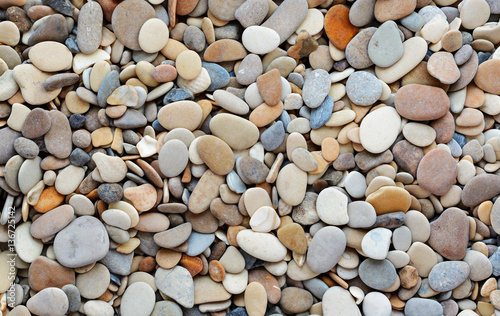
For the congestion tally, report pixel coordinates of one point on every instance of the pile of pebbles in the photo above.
(258, 157)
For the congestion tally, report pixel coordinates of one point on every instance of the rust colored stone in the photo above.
(338, 28)
(193, 264)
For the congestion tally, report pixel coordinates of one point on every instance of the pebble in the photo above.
(338, 28)
(230, 151)
(177, 283)
(90, 27)
(287, 18)
(332, 207)
(376, 242)
(82, 242)
(357, 50)
(419, 306)
(435, 102)
(49, 301)
(261, 245)
(138, 299)
(153, 35)
(437, 171)
(385, 47)
(379, 129)
(322, 258)
(252, 12)
(316, 88)
(441, 65)
(338, 301)
(260, 40)
(363, 88)
(447, 276)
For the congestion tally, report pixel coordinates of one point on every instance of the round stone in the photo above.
(173, 158)
(437, 171)
(260, 40)
(447, 276)
(421, 103)
(326, 249)
(332, 207)
(377, 274)
(188, 64)
(379, 129)
(153, 35)
(138, 300)
(385, 47)
(363, 88)
(82, 242)
(51, 56)
(442, 66)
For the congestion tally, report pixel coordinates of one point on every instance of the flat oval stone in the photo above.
(442, 66)
(49, 301)
(137, 300)
(260, 40)
(58, 138)
(52, 222)
(153, 36)
(338, 27)
(422, 306)
(291, 184)
(363, 88)
(216, 154)
(437, 171)
(177, 283)
(287, 18)
(111, 169)
(173, 158)
(69, 179)
(230, 102)
(377, 274)
(385, 47)
(447, 276)
(356, 52)
(51, 56)
(224, 50)
(331, 207)
(326, 249)
(84, 241)
(376, 242)
(379, 129)
(90, 21)
(338, 301)
(252, 12)
(393, 10)
(419, 134)
(262, 246)
(27, 247)
(316, 88)
(236, 131)
(128, 18)
(185, 114)
(421, 103)
(480, 188)
(29, 174)
(44, 273)
(389, 199)
(485, 78)
(205, 191)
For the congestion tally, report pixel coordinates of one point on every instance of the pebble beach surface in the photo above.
(249, 157)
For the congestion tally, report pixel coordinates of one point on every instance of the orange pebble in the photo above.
(330, 149)
(49, 199)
